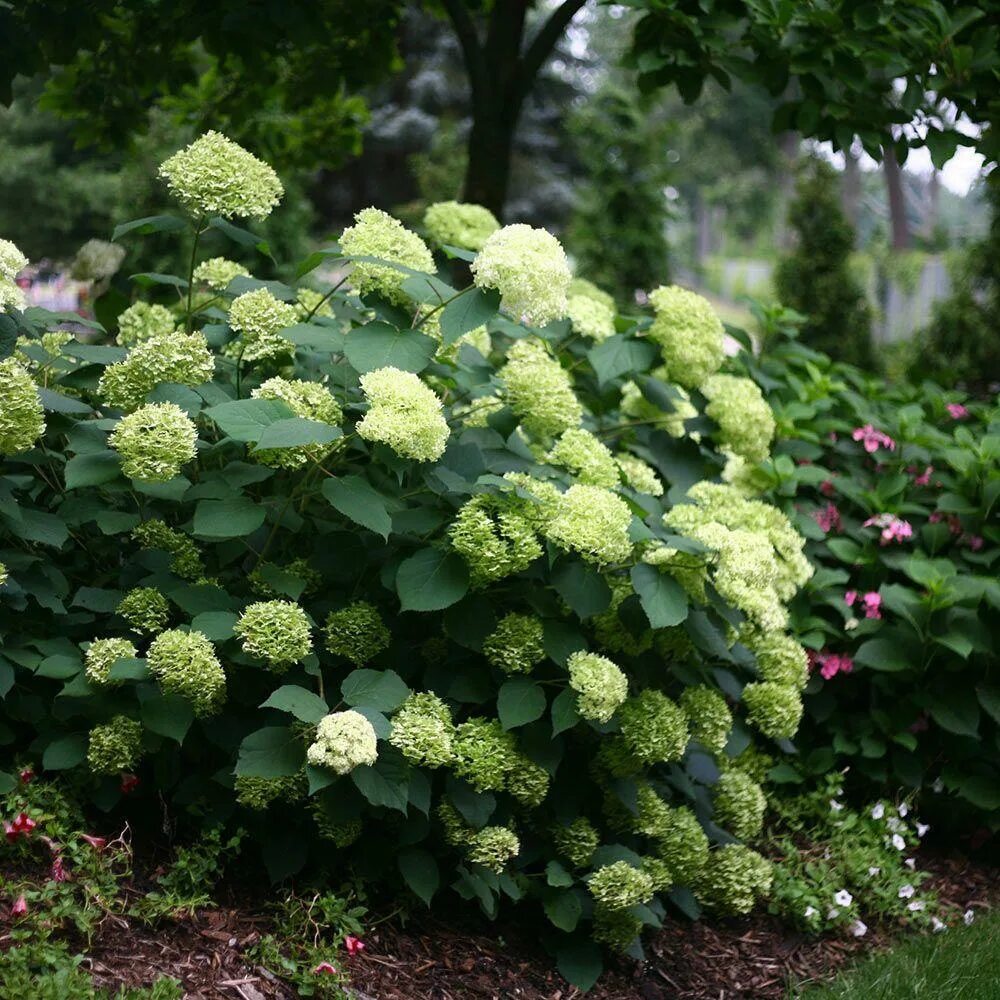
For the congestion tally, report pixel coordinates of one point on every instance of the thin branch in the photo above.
(544, 42)
(472, 52)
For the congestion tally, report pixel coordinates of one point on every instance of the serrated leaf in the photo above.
(887, 655)
(168, 715)
(298, 701)
(420, 872)
(296, 432)
(228, 518)
(564, 909)
(92, 469)
(246, 419)
(582, 587)
(64, 753)
(468, 312)
(662, 597)
(620, 355)
(356, 499)
(431, 580)
(215, 625)
(383, 690)
(520, 701)
(580, 963)
(271, 752)
(378, 345)
(564, 712)
(385, 783)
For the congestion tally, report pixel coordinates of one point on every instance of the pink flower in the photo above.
(58, 873)
(27, 776)
(21, 827)
(873, 604)
(850, 597)
(20, 908)
(325, 968)
(893, 528)
(975, 542)
(957, 411)
(828, 518)
(129, 783)
(872, 439)
(924, 479)
(833, 437)
(827, 488)
(97, 843)
(831, 664)
(353, 944)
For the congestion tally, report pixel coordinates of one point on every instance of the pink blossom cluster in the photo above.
(870, 601)
(957, 411)
(828, 518)
(894, 529)
(830, 664)
(924, 478)
(873, 439)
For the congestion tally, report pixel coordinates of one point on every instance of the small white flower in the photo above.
(843, 898)
(968, 917)
(851, 624)
(894, 823)
(832, 914)
(879, 811)
(903, 809)
(938, 786)
(922, 828)
(859, 928)
(911, 863)
(906, 891)
(811, 912)
(916, 905)
(938, 925)
(873, 871)
(898, 842)
(836, 806)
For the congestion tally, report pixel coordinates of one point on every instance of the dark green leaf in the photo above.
(420, 872)
(167, 714)
(620, 355)
(580, 963)
(564, 713)
(385, 783)
(271, 752)
(355, 498)
(582, 587)
(520, 701)
(662, 597)
(378, 345)
(431, 580)
(245, 419)
(64, 753)
(382, 690)
(467, 312)
(564, 910)
(92, 469)
(227, 518)
(150, 224)
(298, 701)
(296, 432)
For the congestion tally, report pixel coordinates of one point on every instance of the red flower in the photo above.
(27, 776)
(20, 908)
(353, 944)
(827, 488)
(21, 827)
(97, 843)
(325, 968)
(129, 783)
(58, 873)
(872, 439)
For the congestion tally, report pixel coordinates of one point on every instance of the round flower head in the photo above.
(259, 318)
(617, 929)
(356, 632)
(774, 709)
(145, 609)
(746, 423)
(217, 272)
(216, 176)
(587, 289)
(515, 645)
(4, 574)
(493, 847)
(739, 804)
(154, 442)
(734, 879)
(377, 234)
(178, 357)
(143, 320)
(600, 685)
(11, 296)
(185, 664)
(780, 658)
(619, 885)
(576, 842)
(403, 414)
(528, 267)
(708, 716)
(529, 783)
(683, 846)
(12, 261)
(51, 343)
(308, 400)
(115, 746)
(22, 420)
(484, 754)
(639, 475)
(97, 260)
(495, 537)
(102, 655)
(586, 457)
(344, 741)
(186, 559)
(590, 317)
(341, 834)
(258, 793)
(653, 817)
(634, 404)
(276, 631)
(688, 333)
(423, 732)
(653, 727)
(539, 390)
(454, 224)
(593, 522)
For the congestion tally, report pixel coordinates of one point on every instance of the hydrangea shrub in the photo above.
(398, 579)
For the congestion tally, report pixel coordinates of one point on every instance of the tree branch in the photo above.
(472, 53)
(544, 42)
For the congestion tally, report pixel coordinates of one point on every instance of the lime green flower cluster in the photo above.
(746, 423)
(581, 286)
(538, 390)
(739, 804)
(178, 357)
(617, 929)
(145, 609)
(590, 317)
(495, 536)
(341, 833)
(4, 574)
(114, 746)
(781, 659)
(576, 842)
(586, 457)
(276, 631)
(774, 709)
(97, 260)
(529, 269)
(493, 847)
(620, 885)
(529, 783)
(403, 414)
(357, 632)
(51, 343)
(708, 716)
(515, 645)
(488, 758)
(635, 405)
(12, 261)
(653, 728)
(689, 335)
(102, 655)
(143, 320)
(377, 234)
(216, 176)
(456, 224)
(734, 879)
(154, 441)
(593, 522)
(186, 560)
(639, 475)
(258, 317)
(185, 664)
(423, 731)
(308, 400)
(22, 420)
(601, 685)
(344, 741)
(217, 272)
(258, 793)
(683, 846)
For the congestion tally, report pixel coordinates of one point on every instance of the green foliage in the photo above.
(815, 279)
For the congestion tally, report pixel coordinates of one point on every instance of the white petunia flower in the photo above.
(832, 913)
(916, 905)
(922, 828)
(873, 871)
(898, 842)
(903, 809)
(859, 928)
(968, 917)
(811, 912)
(911, 863)
(938, 925)
(836, 806)
(843, 898)
(906, 891)
(938, 786)
(879, 811)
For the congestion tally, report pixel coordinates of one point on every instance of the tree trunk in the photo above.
(851, 190)
(933, 214)
(788, 142)
(491, 145)
(899, 224)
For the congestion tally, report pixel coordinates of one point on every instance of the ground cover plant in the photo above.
(444, 575)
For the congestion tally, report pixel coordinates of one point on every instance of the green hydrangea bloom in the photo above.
(308, 400)
(216, 176)
(619, 885)
(653, 727)
(600, 685)
(774, 709)
(515, 645)
(276, 631)
(217, 272)
(495, 537)
(539, 390)
(683, 846)
(456, 830)
(344, 741)
(746, 423)
(4, 574)
(114, 746)
(102, 655)
(22, 420)
(616, 928)
(341, 833)
(145, 609)
(258, 793)
(403, 414)
(708, 716)
(781, 659)
(653, 817)
(456, 224)
(659, 872)
(493, 847)
(186, 559)
(739, 804)
(143, 320)
(640, 476)
(179, 357)
(484, 754)
(259, 318)
(734, 879)
(528, 782)
(356, 632)
(185, 664)
(377, 234)
(154, 441)
(635, 405)
(12, 261)
(586, 457)
(581, 286)
(97, 260)
(590, 317)
(688, 333)
(423, 731)
(593, 522)
(11, 296)
(576, 842)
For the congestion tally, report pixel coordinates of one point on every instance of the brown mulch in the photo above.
(467, 958)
